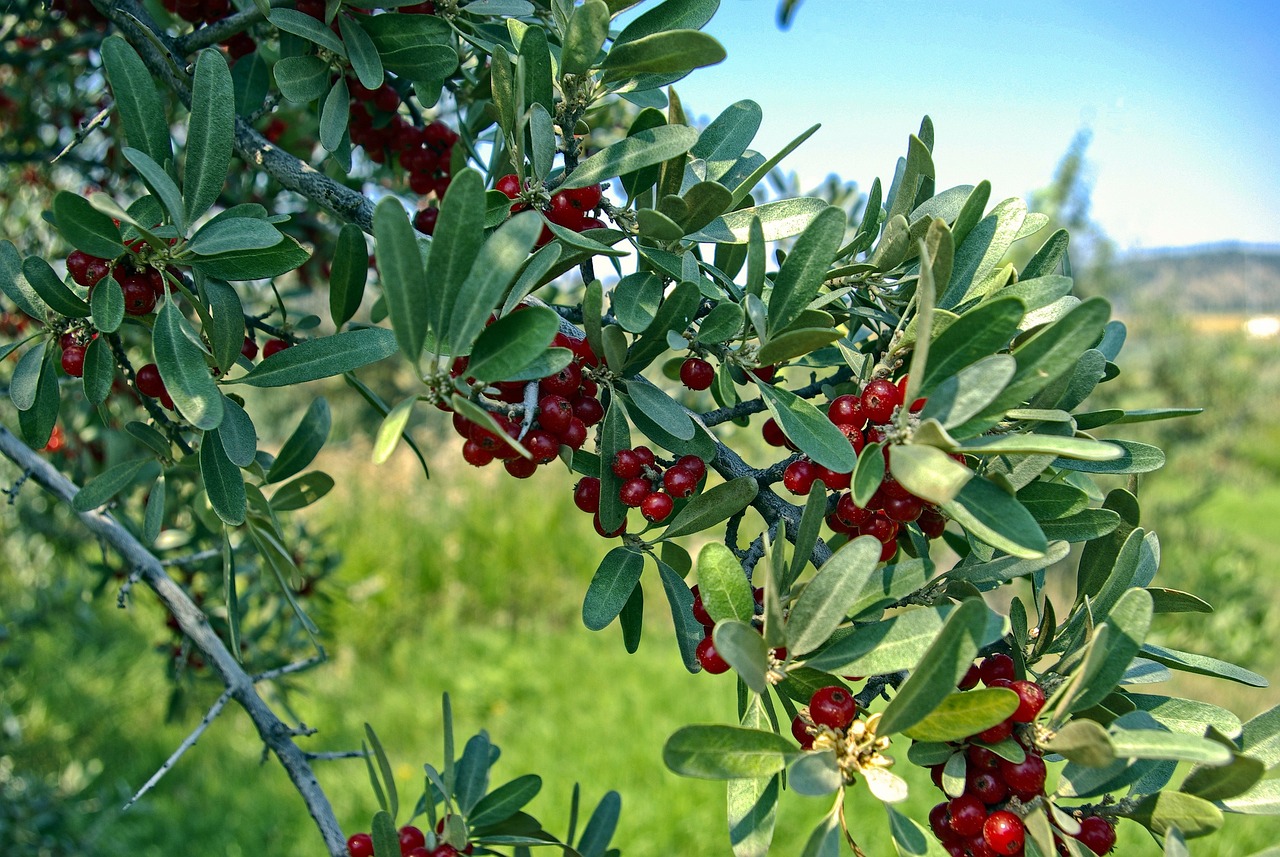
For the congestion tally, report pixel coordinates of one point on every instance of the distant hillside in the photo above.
(1213, 278)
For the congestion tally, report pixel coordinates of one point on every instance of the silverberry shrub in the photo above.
(584, 281)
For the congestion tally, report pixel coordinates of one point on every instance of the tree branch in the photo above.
(276, 735)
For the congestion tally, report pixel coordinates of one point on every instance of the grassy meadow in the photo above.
(471, 583)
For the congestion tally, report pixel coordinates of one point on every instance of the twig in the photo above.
(214, 710)
(12, 491)
(191, 559)
(755, 406)
(85, 130)
(218, 31)
(125, 588)
(295, 667)
(276, 735)
(342, 754)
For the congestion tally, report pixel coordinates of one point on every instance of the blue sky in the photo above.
(1182, 98)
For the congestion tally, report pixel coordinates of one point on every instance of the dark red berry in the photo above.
(360, 845)
(1004, 833)
(982, 759)
(931, 523)
(575, 434)
(554, 413)
(986, 786)
(967, 815)
(509, 185)
(694, 465)
(425, 220)
(1025, 778)
(249, 348)
(996, 666)
(475, 454)
(411, 838)
(586, 494)
(710, 658)
(764, 373)
(622, 528)
(564, 213)
(903, 509)
(563, 383)
(1030, 701)
(584, 198)
(854, 435)
(1097, 834)
(273, 346)
(834, 480)
(149, 382)
(679, 482)
(656, 507)
(634, 491)
(520, 468)
(139, 295)
(879, 398)
(773, 433)
(626, 464)
(851, 514)
(799, 476)
(997, 733)
(542, 446)
(940, 820)
(645, 454)
(78, 264)
(846, 410)
(696, 373)
(800, 731)
(880, 527)
(700, 610)
(970, 679)
(73, 360)
(833, 706)
(588, 409)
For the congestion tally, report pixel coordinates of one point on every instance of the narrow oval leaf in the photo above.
(226, 333)
(726, 752)
(827, 599)
(669, 52)
(99, 371)
(661, 408)
(802, 272)
(239, 437)
(362, 52)
(184, 370)
(222, 481)
(161, 185)
(962, 714)
(723, 584)
(998, 519)
(713, 506)
(107, 484)
(322, 358)
(928, 472)
(403, 279)
(304, 444)
(88, 229)
(106, 301)
(209, 134)
(640, 150)
(52, 290)
(233, 234)
(809, 429)
(301, 492)
(391, 429)
(511, 343)
(611, 586)
(495, 269)
(744, 650)
(137, 100)
(348, 273)
(784, 218)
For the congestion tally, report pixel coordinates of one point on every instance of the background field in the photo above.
(471, 584)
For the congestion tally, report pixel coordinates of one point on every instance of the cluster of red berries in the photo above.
(982, 820)
(571, 209)
(697, 374)
(708, 657)
(566, 407)
(209, 11)
(646, 486)
(862, 419)
(831, 707)
(413, 843)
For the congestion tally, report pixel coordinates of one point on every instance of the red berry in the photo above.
(764, 373)
(903, 509)
(940, 819)
(249, 348)
(425, 220)
(139, 295)
(411, 838)
(149, 382)
(854, 435)
(1025, 778)
(575, 435)
(78, 266)
(73, 360)
(967, 815)
(846, 410)
(879, 398)
(700, 610)
(800, 731)
(996, 666)
(634, 491)
(542, 446)
(773, 433)
(584, 198)
(554, 413)
(851, 514)
(586, 494)
(694, 465)
(1030, 701)
(833, 479)
(980, 758)
(679, 482)
(986, 786)
(657, 506)
(1004, 832)
(833, 706)
(475, 454)
(1097, 834)
(799, 476)
(588, 409)
(626, 464)
(645, 454)
(696, 373)
(563, 383)
(272, 346)
(509, 185)
(931, 523)
(520, 468)
(880, 527)
(564, 213)
(970, 679)
(360, 845)
(622, 528)
(887, 551)
(710, 658)
(95, 271)
(996, 733)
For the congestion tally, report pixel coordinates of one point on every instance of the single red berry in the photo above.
(509, 185)
(554, 413)
(78, 266)
(982, 759)
(833, 706)
(139, 295)
(904, 510)
(854, 435)
(931, 523)
(700, 610)
(588, 409)
(846, 410)
(249, 348)
(272, 346)
(360, 845)
(833, 479)
(977, 846)
(626, 464)
(773, 434)
(1004, 833)
(411, 838)
(696, 373)
(800, 731)
(1097, 834)
(986, 786)
(73, 360)
(1025, 778)
(879, 398)
(970, 679)
(996, 666)
(622, 528)
(888, 550)
(645, 454)
(563, 383)
(880, 527)
(562, 212)
(520, 468)
(997, 733)
(542, 446)
(575, 434)
(710, 658)
(95, 271)
(940, 820)
(475, 454)
(584, 198)
(694, 465)
(967, 815)
(764, 373)
(586, 494)
(850, 513)
(839, 526)
(799, 476)
(657, 506)
(67, 340)
(1030, 701)
(149, 382)
(634, 491)
(425, 220)
(679, 482)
